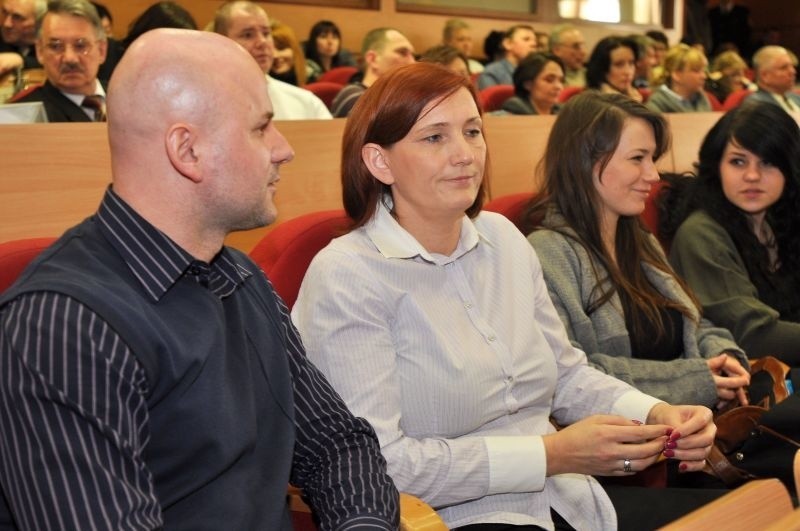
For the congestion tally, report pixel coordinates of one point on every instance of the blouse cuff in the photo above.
(516, 464)
(635, 405)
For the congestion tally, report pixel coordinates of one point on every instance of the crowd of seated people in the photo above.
(465, 347)
(637, 65)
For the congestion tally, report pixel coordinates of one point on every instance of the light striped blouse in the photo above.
(458, 362)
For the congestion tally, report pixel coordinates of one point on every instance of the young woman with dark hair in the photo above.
(738, 244)
(538, 80)
(607, 275)
(612, 67)
(323, 50)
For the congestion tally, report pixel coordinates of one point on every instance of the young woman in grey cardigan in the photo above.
(608, 277)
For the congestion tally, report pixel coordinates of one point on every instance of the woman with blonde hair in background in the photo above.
(682, 83)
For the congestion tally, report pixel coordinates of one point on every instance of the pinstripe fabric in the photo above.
(74, 417)
(458, 362)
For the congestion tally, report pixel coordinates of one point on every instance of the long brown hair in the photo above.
(586, 133)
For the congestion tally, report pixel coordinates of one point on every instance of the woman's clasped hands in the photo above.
(609, 445)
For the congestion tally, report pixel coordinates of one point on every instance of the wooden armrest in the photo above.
(754, 505)
(415, 514)
(790, 522)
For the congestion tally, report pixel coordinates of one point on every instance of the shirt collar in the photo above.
(77, 99)
(157, 261)
(393, 241)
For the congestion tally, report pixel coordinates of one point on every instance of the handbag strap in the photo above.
(718, 465)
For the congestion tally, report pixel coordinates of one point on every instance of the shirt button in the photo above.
(468, 305)
(491, 338)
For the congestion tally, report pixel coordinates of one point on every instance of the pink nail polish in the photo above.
(637, 422)
(670, 445)
(683, 467)
(669, 453)
(669, 431)
(674, 436)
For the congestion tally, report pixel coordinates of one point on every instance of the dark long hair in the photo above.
(384, 115)
(159, 15)
(586, 133)
(599, 63)
(323, 27)
(766, 130)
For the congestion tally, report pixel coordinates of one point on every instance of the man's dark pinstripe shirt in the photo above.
(67, 380)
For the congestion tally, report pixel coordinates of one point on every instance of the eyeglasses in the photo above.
(80, 47)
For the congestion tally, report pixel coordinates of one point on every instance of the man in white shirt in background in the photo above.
(248, 24)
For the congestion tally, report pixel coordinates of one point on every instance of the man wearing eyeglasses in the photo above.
(71, 47)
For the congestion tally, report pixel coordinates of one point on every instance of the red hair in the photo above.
(383, 115)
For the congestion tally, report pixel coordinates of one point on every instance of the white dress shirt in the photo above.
(458, 362)
(295, 103)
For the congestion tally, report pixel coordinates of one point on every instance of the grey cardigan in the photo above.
(604, 337)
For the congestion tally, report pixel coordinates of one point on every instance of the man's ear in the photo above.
(375, 158)
(180, 145)
(369, 57)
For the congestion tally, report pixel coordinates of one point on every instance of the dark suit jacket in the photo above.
(29, 60)
(763, 95)
(58, 107)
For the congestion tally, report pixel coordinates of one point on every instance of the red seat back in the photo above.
(324, 90)
(15, 255)
(511, 206)
(285, 252)
(492, 98)
(340, 74)
(715, 103)
(567, 92)
(735, 99)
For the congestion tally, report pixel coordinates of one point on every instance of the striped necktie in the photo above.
(98, 105)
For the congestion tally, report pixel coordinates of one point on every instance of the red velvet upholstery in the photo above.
(715, 103)
(340, 74)
(735, 99)
(24, 92)
(324, 90)
(567, 92)
(650, 214)
(15, 255)
(511, 206)
(492, 98)
(285, 252)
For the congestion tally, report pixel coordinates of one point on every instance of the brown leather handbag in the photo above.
(761, 439)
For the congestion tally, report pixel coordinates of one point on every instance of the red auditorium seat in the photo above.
(286, 251)
(324, 90)
(340, 74)
(511, 206)
(735, 99)
(568, 92)
(492, 98)
(15, 255)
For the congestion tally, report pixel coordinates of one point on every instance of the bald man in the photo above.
(248, 24)
(383, 49)
(151, 378)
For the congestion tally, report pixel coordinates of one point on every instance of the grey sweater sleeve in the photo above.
(603, 335)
